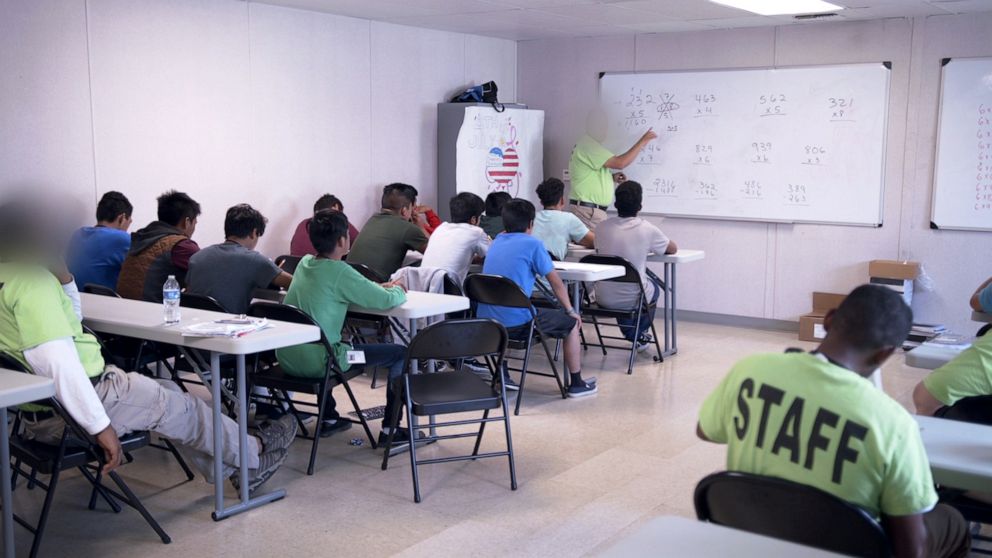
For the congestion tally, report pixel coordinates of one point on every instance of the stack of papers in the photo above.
(951, 341)
(922, 333)
(231, 327)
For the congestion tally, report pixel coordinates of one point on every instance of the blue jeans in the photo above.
(627, 324)
(377, 355)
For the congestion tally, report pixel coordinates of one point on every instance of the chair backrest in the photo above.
(970, 409)
(288, 263)
(201, 302)
(454, 339)
(93, 288)
(789, 511)
(451, 287)
(284, 313)
(496, 290)
(630, 272)
(368, 273)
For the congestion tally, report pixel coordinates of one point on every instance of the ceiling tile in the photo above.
(671, 26)
(879, 10)
(383, 9)
(964, 6)
(536, 4)
(684, 10)
(738, 22)
(608, 14)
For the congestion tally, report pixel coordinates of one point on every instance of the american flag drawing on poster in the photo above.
(502, 169)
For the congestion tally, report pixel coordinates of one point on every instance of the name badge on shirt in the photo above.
(356, 357)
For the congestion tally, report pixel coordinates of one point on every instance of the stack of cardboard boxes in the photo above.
(897, 275)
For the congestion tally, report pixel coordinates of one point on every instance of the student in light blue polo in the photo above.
(96, 253)
(556, 227)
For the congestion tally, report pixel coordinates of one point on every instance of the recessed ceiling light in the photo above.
(781, 7)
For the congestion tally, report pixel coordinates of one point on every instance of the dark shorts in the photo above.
(554, 323)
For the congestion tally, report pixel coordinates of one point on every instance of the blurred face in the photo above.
(597, 125)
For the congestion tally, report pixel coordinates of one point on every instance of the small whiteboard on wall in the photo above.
(803, 144)
(500, 152)
(962, 182)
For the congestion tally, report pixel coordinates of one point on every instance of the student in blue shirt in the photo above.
(981, 301)
(517, 255)
(556, 227)
(96, 253)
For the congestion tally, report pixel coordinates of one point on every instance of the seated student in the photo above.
(324, 287)
(384, 240)
(631, 238)
(161, 249)
(556, 227)
(814, 418)
(492, 222)
(981, 301)
(968, 375)
(423, 215)
(231, 271)
(300, 244)
(95, 254)
(517, 255)
(454, 245)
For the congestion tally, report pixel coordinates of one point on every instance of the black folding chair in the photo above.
(280, 384)
(288, 263)
(496, 290)
(789, 511)
(639, 311)
(76, 450)
(201, 302)
(129, 353)
(198, 362)
(372, 328)
(457, 391)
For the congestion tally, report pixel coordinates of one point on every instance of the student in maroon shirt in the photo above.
(300, 245)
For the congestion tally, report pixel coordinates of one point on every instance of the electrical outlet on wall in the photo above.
(564, 175)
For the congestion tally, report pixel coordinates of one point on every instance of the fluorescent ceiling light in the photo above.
(780, 7)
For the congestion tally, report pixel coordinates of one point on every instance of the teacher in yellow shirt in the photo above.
(589, 168)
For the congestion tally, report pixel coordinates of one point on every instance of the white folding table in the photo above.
(930, 357)
(16, 388)
(576, 273)
(670, 319)
(143, 320)
(671, 536)
(960, 453)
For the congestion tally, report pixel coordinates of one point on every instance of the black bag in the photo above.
(485, 93)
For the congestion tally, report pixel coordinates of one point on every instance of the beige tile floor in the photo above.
(589, 471)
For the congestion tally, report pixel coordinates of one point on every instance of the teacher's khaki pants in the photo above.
(591, 217)
(135, 402)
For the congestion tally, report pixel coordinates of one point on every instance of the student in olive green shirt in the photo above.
(386, 237)
(323, 287)
(815, 419)
(968, 375)
(589, 168)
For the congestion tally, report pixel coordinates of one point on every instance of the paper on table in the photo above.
(235, 327)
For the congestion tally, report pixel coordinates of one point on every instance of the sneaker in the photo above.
(582, 390)
(268, 463)
(401, 441)
(644, 342)
(278, 434)
(474, 366)
(509, 383)
(332, 427)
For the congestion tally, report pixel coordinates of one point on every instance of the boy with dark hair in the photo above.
(815, 419)
(387, 236)
(633, 239)
(300, 244)
(324, 287)
(492, 222)
(232, 270)
(454, 245)
(161, 249)
(556, 227)
(517, 255)
(96, 253)
(423, 216)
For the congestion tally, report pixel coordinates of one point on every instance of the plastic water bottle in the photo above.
(170, 299)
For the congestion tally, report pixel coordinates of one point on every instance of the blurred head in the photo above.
(872, 322)
(244, 223)
(33, 230)
(628, 199)
(179, 210)
(495, 202)
(597, 124)
(328, 201)
(114, 211)
(399, 199)
(551, 192)
(466, 207)
(518, 215)
(329, 232)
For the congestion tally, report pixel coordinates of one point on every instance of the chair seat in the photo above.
(451, 392)
(595, 309)
(275, 377)
(37, 455)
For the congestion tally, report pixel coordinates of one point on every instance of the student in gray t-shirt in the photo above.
(229, 272)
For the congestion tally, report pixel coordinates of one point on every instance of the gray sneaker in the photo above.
(268, 463)
(278, 434)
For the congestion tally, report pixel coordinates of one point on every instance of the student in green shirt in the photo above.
(968, 375)
(815, 419)
(323, 287)
(387, 236)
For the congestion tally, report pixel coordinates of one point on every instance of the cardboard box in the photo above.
(811, 324)
(896, 275)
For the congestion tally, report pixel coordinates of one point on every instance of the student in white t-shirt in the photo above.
(631, 238)
(455, 244)
(556, 227)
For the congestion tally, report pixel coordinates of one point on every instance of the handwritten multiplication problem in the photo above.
(651, 154)
(774, 104)
(841, 109)
(814, 155)
(707, 191)
(761, 152)
(634, 119)
(664, 187)
(796, 194)
(705, 105)
(983, 177)
(667, 106)
(751, 190)
(703, 154)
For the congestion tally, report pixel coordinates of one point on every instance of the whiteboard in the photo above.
(785, 145)
(500, 152)
(962, 182)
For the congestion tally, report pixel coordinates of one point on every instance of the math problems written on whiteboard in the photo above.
(841, 109)
(983, 178)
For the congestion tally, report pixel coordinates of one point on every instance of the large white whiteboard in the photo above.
(787, 145)
(962, 183)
